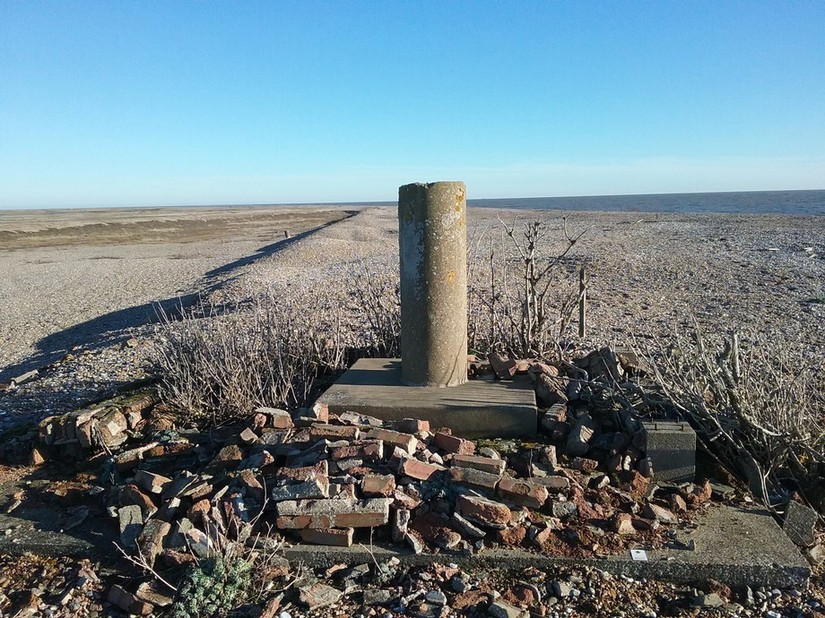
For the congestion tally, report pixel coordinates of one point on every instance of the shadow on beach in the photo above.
(114, 327)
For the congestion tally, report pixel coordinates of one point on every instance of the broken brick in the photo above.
(485, 464)
(582, 464)
(334, 432)
(400, 525)
(131, 494)
(454, 444)
(229, 456)
(339, 537)
(378, 485)
(151, 539)
(129, 602)
(413, 425)
(314, 488)
(466, 527)
(622, 523)
(658, 513)
(276, 418)
(248, 436)
(474, 478)
(405, 441)
(418, 469)
(151, 482)
(257, 460)
(523, 492)
(512, 536)
(364, 449)
(554, 482)
(304, 473)
(130, 519)
(333, 513)
(111, 427)
(483, 511)
(505, 368)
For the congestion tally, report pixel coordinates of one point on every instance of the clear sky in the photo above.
(112, 103)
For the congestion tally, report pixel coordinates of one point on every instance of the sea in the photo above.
(796, 203)
(744, 202)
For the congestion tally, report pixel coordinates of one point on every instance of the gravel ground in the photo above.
(650, 275)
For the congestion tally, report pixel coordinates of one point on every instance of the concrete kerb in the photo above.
(761, 555)
(736, 546)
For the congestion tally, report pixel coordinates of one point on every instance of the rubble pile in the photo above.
(581, 488)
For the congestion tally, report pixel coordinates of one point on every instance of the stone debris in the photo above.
(578, 490)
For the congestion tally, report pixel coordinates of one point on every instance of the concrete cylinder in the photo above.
(432, 241)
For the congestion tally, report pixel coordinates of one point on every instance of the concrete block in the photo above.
(799, 523)
(671, 446)
(477, 409)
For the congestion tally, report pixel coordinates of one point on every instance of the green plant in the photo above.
(212, 588)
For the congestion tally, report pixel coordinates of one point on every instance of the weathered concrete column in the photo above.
(432, 239)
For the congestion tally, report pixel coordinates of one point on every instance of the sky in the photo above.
(115, 103)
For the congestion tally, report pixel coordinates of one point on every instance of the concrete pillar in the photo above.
(432, 240)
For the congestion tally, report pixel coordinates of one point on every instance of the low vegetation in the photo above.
(756, 410)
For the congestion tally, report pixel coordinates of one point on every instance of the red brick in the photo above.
(131, 494)
(279, 419)
(339, 537)
(454, 444)
(512, 536)
(635, 484)
(153, 483)
(304, 473)
(314, 488)
(504, 367)
(334, 432)
(483, 511)
(378, 485)
(333, 513)
(320, 411)
(365, 449)
(413, 425)
(129, 602)
(405, 441)
(228, 457)
(485, 464)
(418, 469)
(474, 478)
(406, 498)
(622, 523)
(582, 464)
(248, 436)
(523, 492)
(151, 539)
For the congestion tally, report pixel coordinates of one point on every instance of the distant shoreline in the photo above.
(797, 202)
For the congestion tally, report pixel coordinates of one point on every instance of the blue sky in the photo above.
(156, 103)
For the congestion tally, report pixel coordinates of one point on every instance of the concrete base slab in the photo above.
(477, 409)
(736, 546)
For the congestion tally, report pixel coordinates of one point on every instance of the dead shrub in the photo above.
(522, 287)
(758, 409)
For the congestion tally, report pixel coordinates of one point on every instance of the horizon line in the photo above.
(373, 202)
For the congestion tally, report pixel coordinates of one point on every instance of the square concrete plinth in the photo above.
(478, 409)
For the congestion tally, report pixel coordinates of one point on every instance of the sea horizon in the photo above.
(793, 202)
